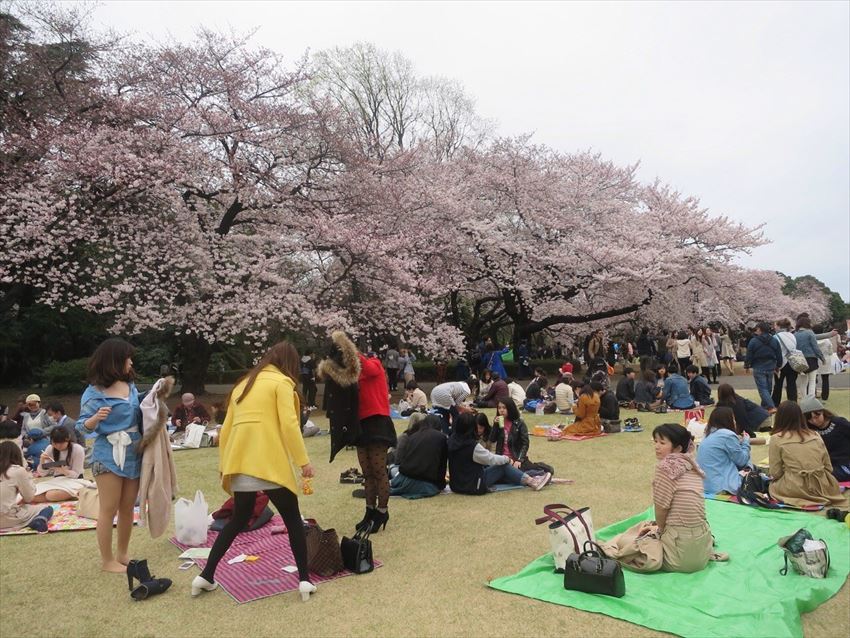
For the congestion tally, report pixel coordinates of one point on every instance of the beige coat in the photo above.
(14, 516)
(698, 357)
(802, 472)
(158, 484)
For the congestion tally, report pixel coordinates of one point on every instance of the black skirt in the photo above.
(377, 430)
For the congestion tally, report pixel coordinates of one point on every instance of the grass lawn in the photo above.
(438, 556)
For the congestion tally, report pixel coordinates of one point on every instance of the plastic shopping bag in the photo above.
(190, 520)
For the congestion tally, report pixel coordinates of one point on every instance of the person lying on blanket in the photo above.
(63, 462)
(16, 481)
(724, 454)
(679, 539)
(800, 468)
(473, 470)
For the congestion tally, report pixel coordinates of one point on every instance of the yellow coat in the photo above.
(261, 435)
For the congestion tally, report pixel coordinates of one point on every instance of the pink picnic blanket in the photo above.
(245, 582)
(581, 437)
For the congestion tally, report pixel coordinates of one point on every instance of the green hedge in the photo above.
(66, 377)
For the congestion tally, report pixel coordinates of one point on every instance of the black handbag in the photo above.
(594, 573)
(357, 553)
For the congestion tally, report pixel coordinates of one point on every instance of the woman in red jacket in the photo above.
(371, 404)
(377, 434)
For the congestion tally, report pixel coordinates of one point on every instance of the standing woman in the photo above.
(698, 353)
(711, 347)
(377, 434)
(405, 365)
(259, 441)
(787, 343)
(727, 352)
(807, 343)
(683, 351)
(109, 407)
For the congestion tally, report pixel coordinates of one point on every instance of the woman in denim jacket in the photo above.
(110, 408)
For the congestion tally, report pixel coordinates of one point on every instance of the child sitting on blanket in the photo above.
(62, 461)
(16, 481)
(473, 470)
(679, 539)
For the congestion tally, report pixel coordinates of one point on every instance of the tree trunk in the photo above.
(195, 352)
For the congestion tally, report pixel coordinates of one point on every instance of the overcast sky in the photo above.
(744, 105)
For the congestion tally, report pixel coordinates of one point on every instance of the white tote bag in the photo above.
(568, 531)
(190, 520)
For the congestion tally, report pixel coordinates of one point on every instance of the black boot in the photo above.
(367, 519)
(379, 520)
(150, 588)
(137, 569)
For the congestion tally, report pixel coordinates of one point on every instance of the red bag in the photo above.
(696, 413)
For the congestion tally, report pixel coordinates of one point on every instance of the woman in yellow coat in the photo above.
(587, 411)
(259, 441)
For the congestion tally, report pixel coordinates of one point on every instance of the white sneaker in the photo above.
(541, 481)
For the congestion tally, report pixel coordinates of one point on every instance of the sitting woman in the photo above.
(510, 437)
(609, 407)
(422, 471)
(483, 431)
(485, 382)
(800, 469)
(473, 470)
(646, 392)
(749, 416)
(396, 455)
(587, 412)
(679, 539)
(835, 432)
(416, 399)
(724, 454)
(17, 483)
(62, 461)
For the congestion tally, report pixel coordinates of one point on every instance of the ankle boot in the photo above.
(379, 520)
(150, 588)
(367, 519)
(137, 569)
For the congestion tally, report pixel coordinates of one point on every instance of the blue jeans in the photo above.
(764, 384)
(506, 473)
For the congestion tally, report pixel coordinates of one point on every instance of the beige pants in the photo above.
(686, 549)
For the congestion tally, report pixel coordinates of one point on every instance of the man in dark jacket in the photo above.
(425, 457)
(764, 357)
(646, 349)
(626, 388)
(700, 390)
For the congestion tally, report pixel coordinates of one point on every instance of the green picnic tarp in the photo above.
(745, 596)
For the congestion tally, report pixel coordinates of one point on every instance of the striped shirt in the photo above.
(449, 394)
(683, 497)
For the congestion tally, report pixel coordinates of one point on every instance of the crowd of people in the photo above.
(450, 442)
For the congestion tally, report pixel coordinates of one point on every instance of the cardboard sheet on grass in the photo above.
(248, 581)
(745, 596)
(65, 519)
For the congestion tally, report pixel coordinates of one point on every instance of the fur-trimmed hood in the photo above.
(343, 367)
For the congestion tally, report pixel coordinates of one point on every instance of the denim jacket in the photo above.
(125, 416)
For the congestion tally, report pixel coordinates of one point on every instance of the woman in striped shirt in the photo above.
(677, 491)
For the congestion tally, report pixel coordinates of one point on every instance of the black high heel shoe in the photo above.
(379, 520)
(137, 569)
(366, 522)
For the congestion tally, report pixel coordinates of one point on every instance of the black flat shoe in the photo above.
(150, 588)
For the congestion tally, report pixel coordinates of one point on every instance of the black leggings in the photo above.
(243, 505)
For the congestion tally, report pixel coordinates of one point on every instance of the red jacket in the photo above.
(374, 392)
